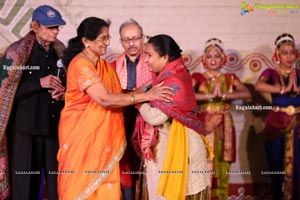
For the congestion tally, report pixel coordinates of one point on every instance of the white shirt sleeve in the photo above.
(152, 115)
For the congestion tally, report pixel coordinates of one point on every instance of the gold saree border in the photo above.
(288, 159)
(228, 137)
(101, 177)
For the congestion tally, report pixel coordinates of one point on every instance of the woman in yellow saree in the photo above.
(91, 129)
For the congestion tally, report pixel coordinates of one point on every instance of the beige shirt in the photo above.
(198, 178)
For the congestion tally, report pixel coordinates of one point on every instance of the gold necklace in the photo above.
(211, 76)
(284, 72)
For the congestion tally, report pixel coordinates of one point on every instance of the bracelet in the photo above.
(208, 96)
(132, 99)
(224, 96)
(282, 90)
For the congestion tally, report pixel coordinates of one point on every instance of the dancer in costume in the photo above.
(282, 124)
(214, 90)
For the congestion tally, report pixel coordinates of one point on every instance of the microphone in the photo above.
(61, 73)
(60, 67)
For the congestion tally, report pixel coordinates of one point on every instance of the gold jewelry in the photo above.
(230, 89)
(211, 76)
(281, 79)
(284, 72)
(282, 90)
(224, 96)
(208, 96)
(132, 99)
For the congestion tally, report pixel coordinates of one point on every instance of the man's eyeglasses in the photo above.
(128, 40)
(102, 39)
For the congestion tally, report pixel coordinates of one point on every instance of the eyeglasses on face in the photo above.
(128, 40)
(105, 38)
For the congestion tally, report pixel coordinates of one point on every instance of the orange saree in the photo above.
(91, 138)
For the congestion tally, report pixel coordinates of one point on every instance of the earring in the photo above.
(203, 61)
(276, 57)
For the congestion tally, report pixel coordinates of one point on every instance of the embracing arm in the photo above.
(107, 99)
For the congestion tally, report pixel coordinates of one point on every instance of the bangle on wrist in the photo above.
(224, 96)
(132, 99)
(208, 96)
(282, 91)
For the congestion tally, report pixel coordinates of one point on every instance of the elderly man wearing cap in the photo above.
(31, 98)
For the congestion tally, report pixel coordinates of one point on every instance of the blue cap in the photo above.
(47, 16)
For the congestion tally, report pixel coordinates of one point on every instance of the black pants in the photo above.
(130, 113)
(29, 155)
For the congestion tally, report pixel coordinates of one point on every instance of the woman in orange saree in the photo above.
(91, 130)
